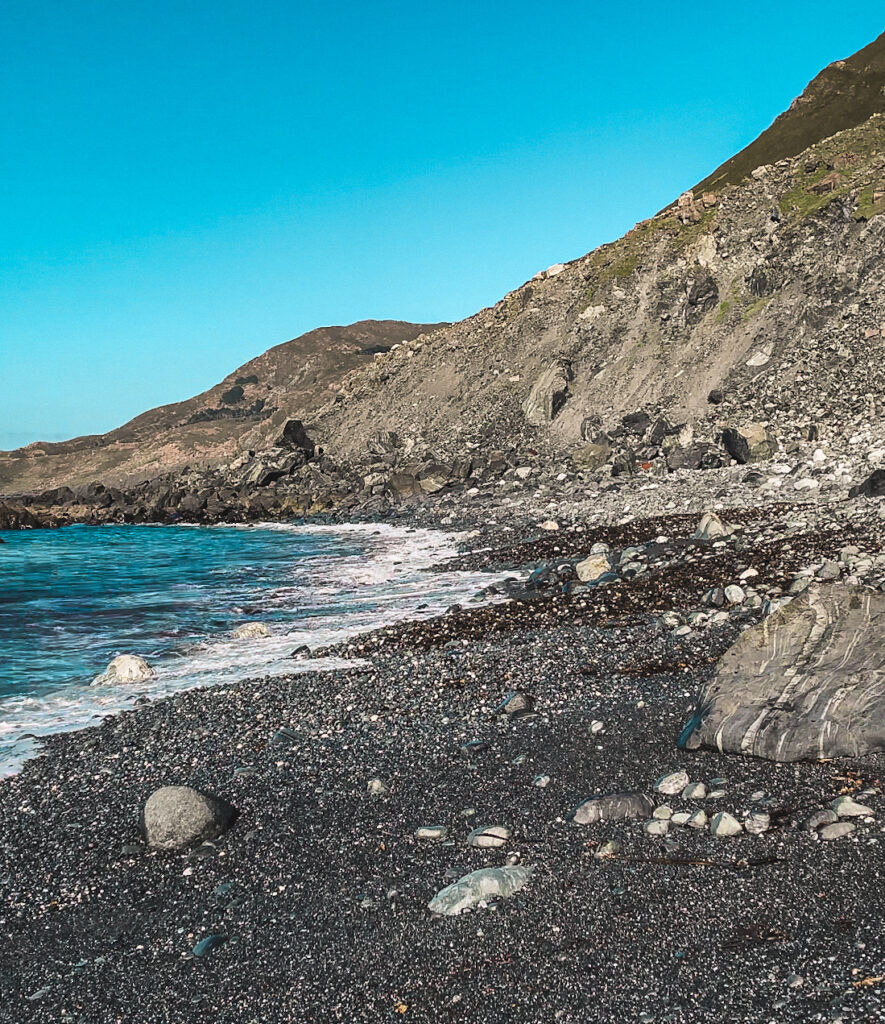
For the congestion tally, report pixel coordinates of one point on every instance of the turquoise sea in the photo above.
(74, 598)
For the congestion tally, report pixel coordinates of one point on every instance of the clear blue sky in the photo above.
(186, 183)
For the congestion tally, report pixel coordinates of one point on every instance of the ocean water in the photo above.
(73, 599)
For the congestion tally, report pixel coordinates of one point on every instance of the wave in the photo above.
(327, 598)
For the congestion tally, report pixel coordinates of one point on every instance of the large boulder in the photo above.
(294, 436)
(176, 817)
(591, 456)
(751, 443)
(126, 668)
(806, 683)
(872, 487)
(548, 395)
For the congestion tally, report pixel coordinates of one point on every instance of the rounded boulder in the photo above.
(176, 817)
(126, 668)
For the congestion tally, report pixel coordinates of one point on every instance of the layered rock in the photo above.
(807, 682)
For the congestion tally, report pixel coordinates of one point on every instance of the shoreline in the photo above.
(320, 889)
(394, 561)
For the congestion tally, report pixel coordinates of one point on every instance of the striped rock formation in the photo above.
(808, 682)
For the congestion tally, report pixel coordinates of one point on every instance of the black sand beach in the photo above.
(318, 894)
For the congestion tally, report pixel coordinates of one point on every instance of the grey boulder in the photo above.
(614, 807)
(176, 817)
(808, 682)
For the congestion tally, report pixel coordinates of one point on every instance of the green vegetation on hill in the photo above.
(843, 95)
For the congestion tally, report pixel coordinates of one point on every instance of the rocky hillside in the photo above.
(745, 319)
(767, 294)
(244, 411)
(843, 95)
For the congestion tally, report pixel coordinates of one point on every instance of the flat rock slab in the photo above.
(806, 683)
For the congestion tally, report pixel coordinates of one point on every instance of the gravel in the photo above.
(313, 906)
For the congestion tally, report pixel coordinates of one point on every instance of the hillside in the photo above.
(770, 291)
(755, 302)
(842, 96)
(245, 410)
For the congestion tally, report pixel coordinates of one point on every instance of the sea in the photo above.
(72, 599)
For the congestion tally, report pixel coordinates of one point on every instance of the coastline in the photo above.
(320, 889)
(387, 581)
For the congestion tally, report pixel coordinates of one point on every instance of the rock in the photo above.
(716, 397)
(610, 848)
(734, 594)
(751, 443)
(680, 818)
(845, 807)
(636, 423)
(657, 827)
(294, 436)
(757, 823)
(614, 807)
(700, 455)
(489, 836)
(624, 463)
(672, 783)
(592, 567)
(711, 527)
(549, 524)
(872, 487)
(548, 395)
(695, 791)
(817, 819)
(435, 833)
(808, 682)
(829, 571)
(591, 456)
(478, 887)
(205, 946)
(126, 668)
(516, 704)
(837, 830)
(698, 820)
(377, 787)
(176, 817)
(252, 631)
(664, 812)
(724, 824)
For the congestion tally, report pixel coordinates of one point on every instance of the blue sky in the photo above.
(185, 184)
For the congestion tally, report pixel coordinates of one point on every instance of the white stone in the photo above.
(479, 886)
(252, 631)
(126, 668)
(672, 783)
(725, 824)
(845, 807)
(592, 567)
(757, 823)
(489, 836)
(694, 791)
(432, 832)
(711, 527)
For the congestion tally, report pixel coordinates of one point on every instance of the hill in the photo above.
(244, 411)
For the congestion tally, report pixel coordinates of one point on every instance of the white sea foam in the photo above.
(333, 597)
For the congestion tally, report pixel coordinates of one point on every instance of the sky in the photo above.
(184, 183)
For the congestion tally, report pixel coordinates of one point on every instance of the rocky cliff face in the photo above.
(769, 292)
